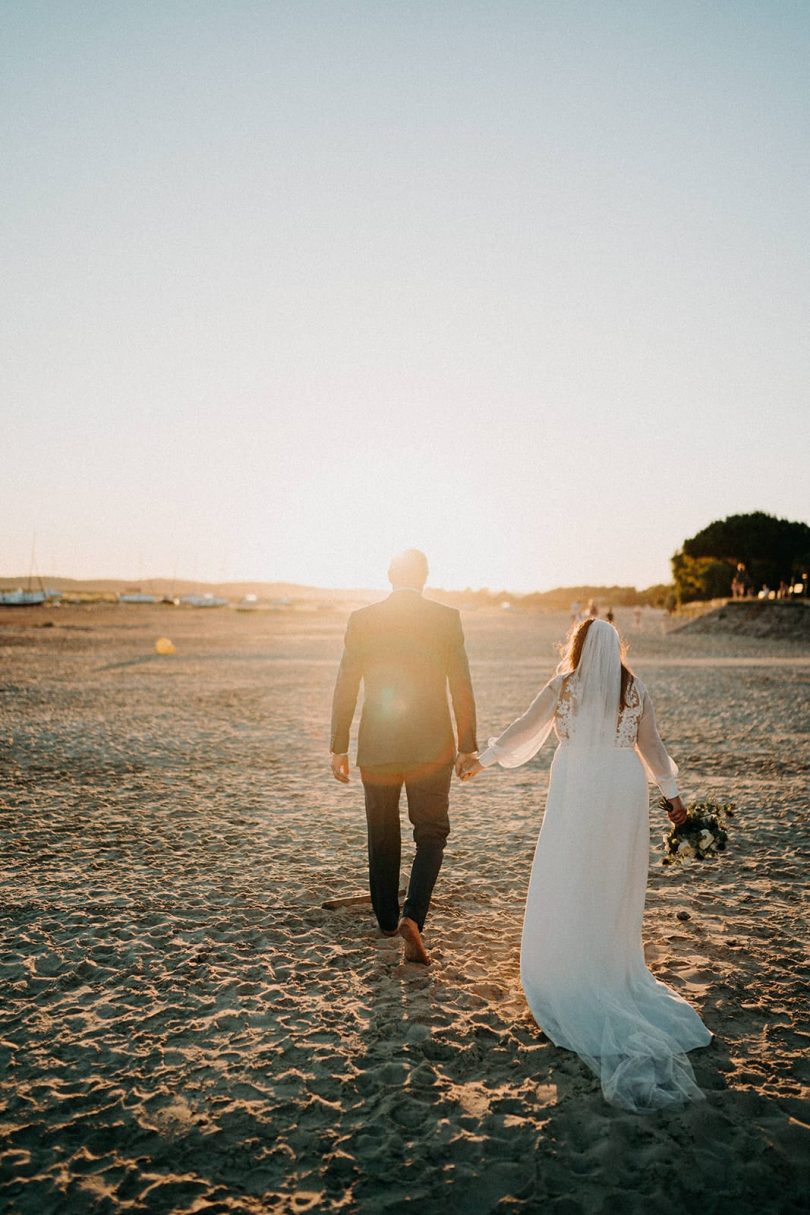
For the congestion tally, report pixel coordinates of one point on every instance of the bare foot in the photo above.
(414, 949)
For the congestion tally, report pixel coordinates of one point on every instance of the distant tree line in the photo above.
(561, 598)
(752, 551)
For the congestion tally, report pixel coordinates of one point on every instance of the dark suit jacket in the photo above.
(406, 650)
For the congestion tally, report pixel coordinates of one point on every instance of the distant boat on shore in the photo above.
(28, 597)
(204, 601)
(249, 603)
(137, 597)
(22, 598)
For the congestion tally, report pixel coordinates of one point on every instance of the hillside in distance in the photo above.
(557, 600)
(185, 586)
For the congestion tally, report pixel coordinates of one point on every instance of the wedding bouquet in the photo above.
(700, 836)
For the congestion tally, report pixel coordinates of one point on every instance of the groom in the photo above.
(406, 650)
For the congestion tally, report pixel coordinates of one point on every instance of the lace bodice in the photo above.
(629, 716)
(554, 708)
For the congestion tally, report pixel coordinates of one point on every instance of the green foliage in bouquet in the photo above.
(702, 834)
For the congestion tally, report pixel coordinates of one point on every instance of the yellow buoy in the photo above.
(164, 646)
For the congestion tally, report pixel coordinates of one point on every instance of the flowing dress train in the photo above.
(582, 961)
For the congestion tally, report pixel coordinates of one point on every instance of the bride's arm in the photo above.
(526, 735)
(661, 768)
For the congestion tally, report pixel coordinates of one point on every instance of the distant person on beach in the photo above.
(593, 609)
(581, 962)
(576, 610)
(739, 586)
(407, 650)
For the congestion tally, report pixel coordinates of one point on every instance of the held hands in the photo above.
(677, 811)
(340, 768)
(467, 765)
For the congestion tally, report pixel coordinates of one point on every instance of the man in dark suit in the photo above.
(406, 650)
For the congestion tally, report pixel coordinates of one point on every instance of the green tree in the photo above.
(701, 577)
(771, 549)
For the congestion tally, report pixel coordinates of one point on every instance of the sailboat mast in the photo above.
(32, 565)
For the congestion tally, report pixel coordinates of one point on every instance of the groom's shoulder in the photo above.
(441, 611)
(370, 614)
(442, 618)
(361, 615)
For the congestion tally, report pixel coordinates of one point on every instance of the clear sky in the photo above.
(290, 286)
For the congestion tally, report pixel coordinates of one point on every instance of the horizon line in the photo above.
(54, 580)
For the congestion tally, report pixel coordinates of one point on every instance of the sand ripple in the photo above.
(185, 1029)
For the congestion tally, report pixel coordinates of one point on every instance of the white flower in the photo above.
(706, 839)
(685, 851)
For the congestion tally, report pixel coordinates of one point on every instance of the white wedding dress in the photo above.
(582, 962)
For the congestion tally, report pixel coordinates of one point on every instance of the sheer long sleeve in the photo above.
(526, 735)
(660, 767)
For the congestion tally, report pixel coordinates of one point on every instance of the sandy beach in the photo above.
(186, 1029)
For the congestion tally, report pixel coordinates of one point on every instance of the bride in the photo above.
(582, 963)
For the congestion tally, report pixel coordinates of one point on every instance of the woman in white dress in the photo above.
(582, 961)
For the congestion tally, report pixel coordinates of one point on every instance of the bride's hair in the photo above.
(572, 652)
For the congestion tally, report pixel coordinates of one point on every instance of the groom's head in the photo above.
(408, 570)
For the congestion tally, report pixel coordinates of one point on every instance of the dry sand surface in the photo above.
(185, 1029)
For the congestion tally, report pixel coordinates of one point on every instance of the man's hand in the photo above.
(467, 764)
(463, 758)
(340, 768)
(472, 769)
(677, 811)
